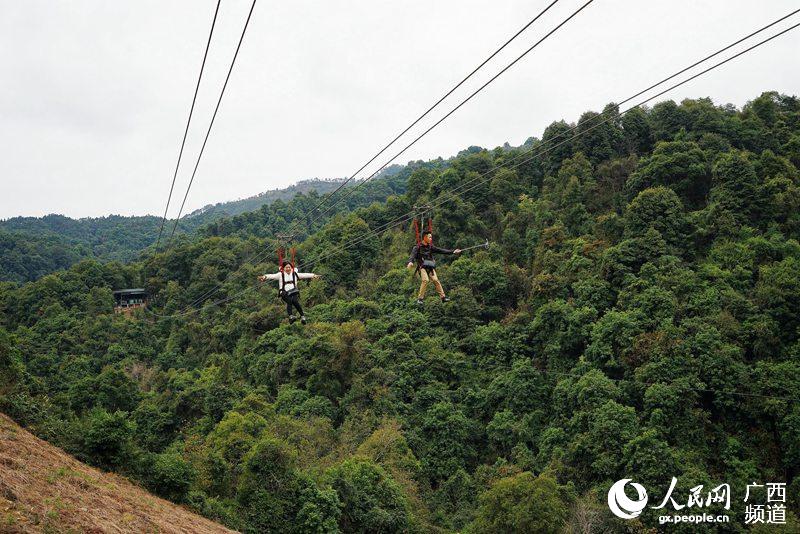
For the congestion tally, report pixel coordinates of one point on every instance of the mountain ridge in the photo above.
(31, 247)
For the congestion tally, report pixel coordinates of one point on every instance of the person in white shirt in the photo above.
(287, 278)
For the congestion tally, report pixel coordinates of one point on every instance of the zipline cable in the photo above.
(427, 111)
(459, 190)
(188, 121)
(363, 182)
(462, 188)
(416, 121)
(352, 190)
(718, 52)
(481, 88)
(635, 382)
(213, 117)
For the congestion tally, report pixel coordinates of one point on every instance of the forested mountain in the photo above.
(237, 207)
(636, 315)
(31, 247)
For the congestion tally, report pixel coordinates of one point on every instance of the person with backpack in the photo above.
(288, 290)
(422, 256)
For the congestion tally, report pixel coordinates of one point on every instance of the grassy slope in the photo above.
(43, 489)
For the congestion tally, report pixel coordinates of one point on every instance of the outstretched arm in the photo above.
(306, 276)
(271, 276)
(413, 257)
(445, 250)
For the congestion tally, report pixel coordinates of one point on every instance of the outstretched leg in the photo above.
(296, 303)
(436, 283)
(423, 286)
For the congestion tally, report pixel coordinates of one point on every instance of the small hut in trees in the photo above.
(126, 300)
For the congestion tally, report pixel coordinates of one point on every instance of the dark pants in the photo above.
(292, 300)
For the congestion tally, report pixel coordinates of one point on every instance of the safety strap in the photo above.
(280, 257)
(416, 226)
(417, 258)
(295, 279)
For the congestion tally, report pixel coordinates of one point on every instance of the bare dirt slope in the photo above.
(43, 489)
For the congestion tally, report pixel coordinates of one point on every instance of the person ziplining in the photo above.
(422, 256)
(288, 290)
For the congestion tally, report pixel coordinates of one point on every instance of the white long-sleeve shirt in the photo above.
(286, 282)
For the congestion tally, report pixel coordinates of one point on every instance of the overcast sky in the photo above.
(95, 94)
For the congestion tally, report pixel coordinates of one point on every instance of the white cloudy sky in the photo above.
(95, 93)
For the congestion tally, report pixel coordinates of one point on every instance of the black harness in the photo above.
(282, 292)
(422, 263)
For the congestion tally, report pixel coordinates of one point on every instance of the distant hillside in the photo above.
(322, 186)
(43, 489)
(31, 247)
(237, 207)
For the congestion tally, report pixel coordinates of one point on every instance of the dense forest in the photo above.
(237, 207)
(31, 247)
(636, 315)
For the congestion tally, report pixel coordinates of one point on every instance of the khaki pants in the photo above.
(424, 285)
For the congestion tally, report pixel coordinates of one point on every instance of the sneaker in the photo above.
(303, 319)
(292, 319)
(445, 299)
(420, 302)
